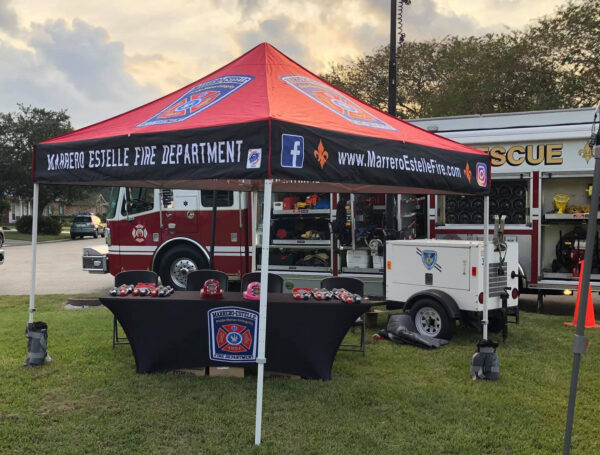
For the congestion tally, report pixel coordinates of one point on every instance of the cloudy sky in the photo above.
(98, 58)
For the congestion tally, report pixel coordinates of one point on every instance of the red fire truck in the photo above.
(169, 231)
(542, 171)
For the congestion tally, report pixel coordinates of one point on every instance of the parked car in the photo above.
(1, 236)
(1, 257)
(87, 224)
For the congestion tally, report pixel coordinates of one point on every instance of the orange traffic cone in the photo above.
(590, 320)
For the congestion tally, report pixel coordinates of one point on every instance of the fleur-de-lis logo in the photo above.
(586, 153)
(321, 154)
(468, 172)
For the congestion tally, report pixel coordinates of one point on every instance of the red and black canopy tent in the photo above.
(239, 126)
(260, 122)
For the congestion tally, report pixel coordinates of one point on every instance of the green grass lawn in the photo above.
(14, 235)
(397, 400)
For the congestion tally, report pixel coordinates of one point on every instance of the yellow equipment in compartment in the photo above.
(578, 209)
(561, 201)
(301, 206)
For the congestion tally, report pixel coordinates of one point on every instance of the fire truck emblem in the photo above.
(232, 334)
(429, 258)
(198, 99)
(139, 233)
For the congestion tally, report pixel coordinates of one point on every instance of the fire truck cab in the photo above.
(168, 231)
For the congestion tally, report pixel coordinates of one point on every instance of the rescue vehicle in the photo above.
(542, 168)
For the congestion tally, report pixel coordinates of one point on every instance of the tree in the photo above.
(19, 132)
(550, 65)
(568, 43)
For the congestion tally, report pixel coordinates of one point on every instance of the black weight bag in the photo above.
(484, 364)
(37, 343)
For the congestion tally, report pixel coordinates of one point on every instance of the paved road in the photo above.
(59, 272)
(557, 304)
(58, 268)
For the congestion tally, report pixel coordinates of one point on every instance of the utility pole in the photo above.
(396, 11)
(393, 70)
(396, 36)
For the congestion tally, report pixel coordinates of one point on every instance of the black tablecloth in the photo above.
(172, 332)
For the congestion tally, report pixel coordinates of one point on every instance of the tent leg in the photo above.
(34, 233)
(486, 274)
(262, 322)
(211, 265)
(254, 205)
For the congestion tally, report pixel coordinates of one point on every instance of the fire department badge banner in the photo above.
(232, 334)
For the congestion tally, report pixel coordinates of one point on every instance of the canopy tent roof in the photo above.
(260, 117)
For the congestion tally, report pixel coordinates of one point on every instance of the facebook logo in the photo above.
(292, 150)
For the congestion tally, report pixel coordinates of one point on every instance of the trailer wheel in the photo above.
(431, 320)
(177, 263)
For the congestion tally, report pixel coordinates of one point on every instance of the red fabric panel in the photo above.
(267, 96)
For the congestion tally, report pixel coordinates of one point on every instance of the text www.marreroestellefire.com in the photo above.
(402, 163)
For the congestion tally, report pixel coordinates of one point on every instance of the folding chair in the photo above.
(355, 286)
(197, 278)
(130, 277)
(275, 281)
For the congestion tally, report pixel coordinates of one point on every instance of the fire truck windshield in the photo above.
(138, 200)
(112, 203)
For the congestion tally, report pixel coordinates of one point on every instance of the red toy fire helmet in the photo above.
(301, 293)
(252, 292)
(211, 290)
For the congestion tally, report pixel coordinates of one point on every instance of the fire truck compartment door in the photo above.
(184, 213)
(439, 267)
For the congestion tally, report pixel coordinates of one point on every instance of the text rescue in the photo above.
(550, 154)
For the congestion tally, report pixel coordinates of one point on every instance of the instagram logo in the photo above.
(481, 174)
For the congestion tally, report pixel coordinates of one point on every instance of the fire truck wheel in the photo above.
(431, 320)
(177, 263)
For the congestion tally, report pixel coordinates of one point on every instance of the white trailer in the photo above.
(442, 281)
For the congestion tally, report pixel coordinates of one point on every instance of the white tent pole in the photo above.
(34, 232)
(254, 207)
(486, 274)
(262, 321)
